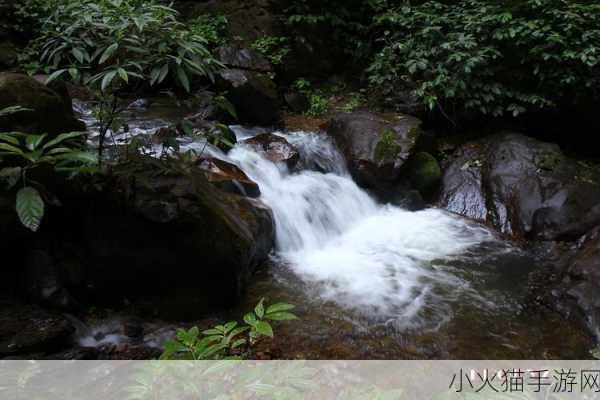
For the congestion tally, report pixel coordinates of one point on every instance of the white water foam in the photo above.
(380, 260)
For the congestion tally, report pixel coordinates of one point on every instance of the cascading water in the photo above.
(376, 259)
(370, 280)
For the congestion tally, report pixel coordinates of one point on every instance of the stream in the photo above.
(374, 281)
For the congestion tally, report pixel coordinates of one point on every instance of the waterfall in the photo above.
(378, 259)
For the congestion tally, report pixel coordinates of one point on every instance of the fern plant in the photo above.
(21, 153)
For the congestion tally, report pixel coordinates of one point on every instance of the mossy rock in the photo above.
(424, 173)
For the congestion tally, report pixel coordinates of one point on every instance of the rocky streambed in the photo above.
(386, 252)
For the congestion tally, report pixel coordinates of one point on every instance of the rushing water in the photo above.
(376, 281)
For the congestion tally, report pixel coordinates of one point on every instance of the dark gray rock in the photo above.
(522, 186)
(375, 146)
(50, 111)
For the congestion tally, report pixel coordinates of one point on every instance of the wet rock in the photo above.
(583, 279)
(50, 113)
(228, 177)
(253, 94)
(29, 329)
(522, 186)
(245, 59)
(424, 173)
(375, 146)
(275, 148)
(166, 239)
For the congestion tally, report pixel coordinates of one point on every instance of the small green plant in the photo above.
(275, 48)
(355, 102)
(319, 104)
(230, 341)
(317, 100)
(22, 154)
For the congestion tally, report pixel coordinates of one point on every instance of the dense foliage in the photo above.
(99, 42)
(490, 57)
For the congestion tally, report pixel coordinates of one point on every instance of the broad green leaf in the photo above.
(30, 208)
(264, 328)
(84, 157)
(250, 319)
(9, 138)
(279, 307)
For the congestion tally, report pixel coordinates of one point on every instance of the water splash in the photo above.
(380, 260)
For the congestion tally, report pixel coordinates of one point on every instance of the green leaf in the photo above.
(110, 50)
(264, 328)
(123, 75)
(250, 319)
(279, 307)
(62, 137)
(78, 54)
(259, 310)
(84, 157)
(183, 79)
(10, 148)
(32, 142)
(281, 316)
(13, 110)
(107, 80)
(55, 75)
(30, 208)
(6, 137)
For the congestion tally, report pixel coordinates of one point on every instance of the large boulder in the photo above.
(249, 86)
(522, 186)
(49, 112)
(275, 148)
(165, 237)
(376, 147)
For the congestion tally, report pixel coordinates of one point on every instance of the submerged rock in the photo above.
(275, 148)
(228, 177)
(49, 112)
(522, 186)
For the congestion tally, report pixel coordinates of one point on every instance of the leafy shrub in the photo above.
(21, 154)
(213, 28)
(490, 57)
(117, 46)
(229, 341)
(275, 48)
